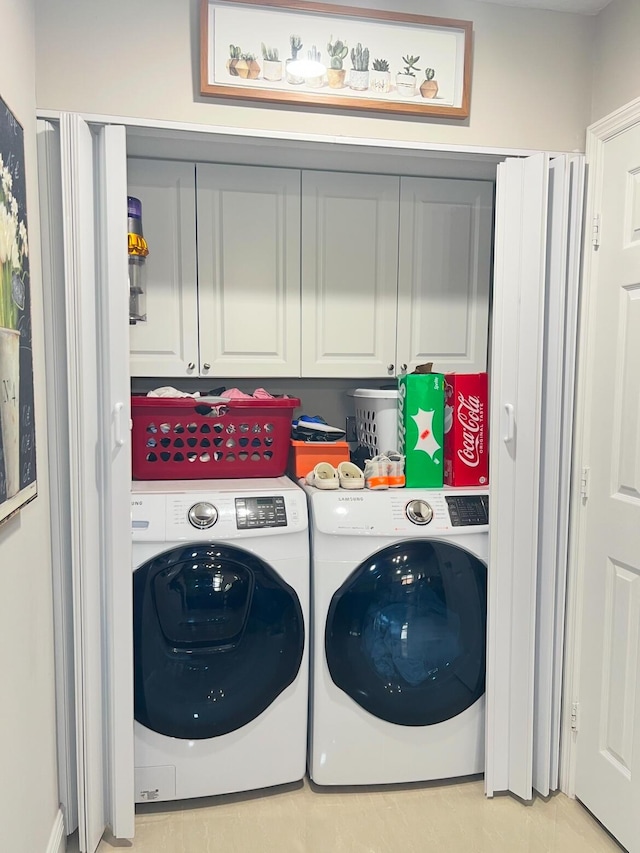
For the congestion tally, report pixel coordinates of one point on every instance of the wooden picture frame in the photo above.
(337, 56)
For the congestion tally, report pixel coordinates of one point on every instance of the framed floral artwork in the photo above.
(296, 52)
(17, 426)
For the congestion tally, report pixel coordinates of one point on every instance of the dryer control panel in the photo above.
(261, 512)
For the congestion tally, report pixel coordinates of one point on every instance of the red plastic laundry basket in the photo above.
(171, 440)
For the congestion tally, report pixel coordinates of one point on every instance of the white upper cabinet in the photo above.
(444, 273)
(261, 272)
(248, 221)
(349, 273)
(167, 343)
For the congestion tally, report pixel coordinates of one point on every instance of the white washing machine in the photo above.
(399, 592)
(221, 601)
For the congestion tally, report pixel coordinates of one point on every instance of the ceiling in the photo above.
(581, 7)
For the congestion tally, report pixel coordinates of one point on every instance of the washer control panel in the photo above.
(468, 510)
(255, 512)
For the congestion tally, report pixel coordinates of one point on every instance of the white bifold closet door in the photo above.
(538, 225)
(93, 285)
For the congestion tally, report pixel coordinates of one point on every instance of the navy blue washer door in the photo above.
(405, 634)
(218, 635)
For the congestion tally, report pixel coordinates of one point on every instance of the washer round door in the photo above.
(218, 635)
(405, 634)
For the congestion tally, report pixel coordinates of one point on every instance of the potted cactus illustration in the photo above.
(296, 47)
(359, 77)
(337, 51)
(271, 64)
(316, 74)
(234, 56)
(429, 86)
(406, 80)
(247, 67)
(380, 76)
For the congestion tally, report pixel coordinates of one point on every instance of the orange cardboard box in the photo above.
(305, 455)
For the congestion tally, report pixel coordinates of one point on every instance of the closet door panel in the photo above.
(349, 274)
(444, 273)
(249, 270)
(166, 344)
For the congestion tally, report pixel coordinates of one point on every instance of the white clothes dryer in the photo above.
(399, 591)
(221, 599)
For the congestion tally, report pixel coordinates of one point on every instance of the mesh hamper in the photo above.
(171, 440)
(376, 419)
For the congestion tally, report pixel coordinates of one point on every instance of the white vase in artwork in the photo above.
(10, 407)
(272, 69)
(380, 81)
(406, 85)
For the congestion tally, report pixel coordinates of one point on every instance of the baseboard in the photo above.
(57, 839)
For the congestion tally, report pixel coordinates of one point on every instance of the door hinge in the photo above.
(575, 716)
(584, 483)
(595, 232)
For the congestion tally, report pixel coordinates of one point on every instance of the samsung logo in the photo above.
(350, 499)
(136, 503)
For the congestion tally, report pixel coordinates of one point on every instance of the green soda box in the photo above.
(421, 428)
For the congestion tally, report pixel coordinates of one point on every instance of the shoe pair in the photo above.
(345, 476)
(385, 471)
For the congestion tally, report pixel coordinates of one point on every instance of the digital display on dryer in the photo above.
(253, 513)
(468, 510)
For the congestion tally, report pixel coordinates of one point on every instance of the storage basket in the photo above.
(172, 439)
(376, 419)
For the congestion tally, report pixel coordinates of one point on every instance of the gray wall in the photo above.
(531, 83)
(616, 57)
(28, 777)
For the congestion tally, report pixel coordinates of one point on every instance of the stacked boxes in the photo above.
(443, 428)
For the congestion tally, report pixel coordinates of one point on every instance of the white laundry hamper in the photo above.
(376, 419)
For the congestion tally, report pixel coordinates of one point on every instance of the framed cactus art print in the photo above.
(17, 427)
(325, 55)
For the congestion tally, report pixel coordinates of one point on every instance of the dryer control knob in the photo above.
(419, 512)
(203, 515)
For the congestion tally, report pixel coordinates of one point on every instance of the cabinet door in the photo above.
(166, 344)
(444, 273)
(249, 270)
(349, 274)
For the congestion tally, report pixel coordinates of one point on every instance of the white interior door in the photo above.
(538, 236)
(96, 301)
(565, 212)
(516, 405)
(608, 739)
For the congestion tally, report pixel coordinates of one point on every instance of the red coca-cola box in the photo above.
(466, 429)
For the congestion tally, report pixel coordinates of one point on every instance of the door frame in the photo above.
(598, 134)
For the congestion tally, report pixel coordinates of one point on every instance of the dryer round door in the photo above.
(218, 635)
(405, 634)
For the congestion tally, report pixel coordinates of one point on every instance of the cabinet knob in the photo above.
(403, 368)
(191, 366)
(390, 368)
(206, 365)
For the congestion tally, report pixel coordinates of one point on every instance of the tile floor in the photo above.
(429, 818)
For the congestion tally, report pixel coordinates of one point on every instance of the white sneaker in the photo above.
(376, 472)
